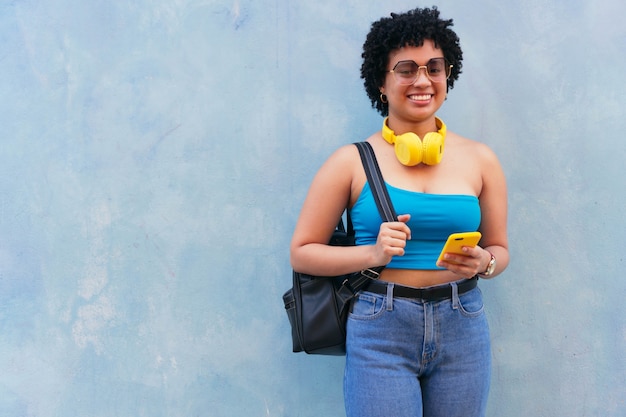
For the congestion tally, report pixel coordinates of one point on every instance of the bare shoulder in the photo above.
(338, 171)
(342, 161)
(345, 153)
(475, 149)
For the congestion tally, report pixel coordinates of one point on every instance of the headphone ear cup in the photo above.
(409, 149)
(433, 148)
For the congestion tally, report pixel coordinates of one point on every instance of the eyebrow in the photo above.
(410, 60)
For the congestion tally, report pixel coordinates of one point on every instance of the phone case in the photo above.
(456, 241)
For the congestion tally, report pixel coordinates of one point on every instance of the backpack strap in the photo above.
(376, 182)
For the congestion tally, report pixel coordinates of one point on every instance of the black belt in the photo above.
(426, 294)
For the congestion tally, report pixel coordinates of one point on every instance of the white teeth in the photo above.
(420, 97)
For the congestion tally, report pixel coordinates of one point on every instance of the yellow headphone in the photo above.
(411, 150)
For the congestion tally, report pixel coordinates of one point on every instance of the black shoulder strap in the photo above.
(385, 208)
(376, 182)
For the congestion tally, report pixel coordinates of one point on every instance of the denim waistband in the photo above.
(440, 292)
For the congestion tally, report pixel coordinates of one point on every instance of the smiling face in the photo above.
(418, 102)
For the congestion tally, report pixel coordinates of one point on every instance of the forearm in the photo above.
(502, 260)
(326, 260)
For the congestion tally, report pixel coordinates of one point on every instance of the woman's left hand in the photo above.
(473, 261)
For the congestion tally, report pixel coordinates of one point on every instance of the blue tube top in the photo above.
(433, 218)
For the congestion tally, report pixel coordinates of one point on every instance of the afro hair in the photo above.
(406, 29)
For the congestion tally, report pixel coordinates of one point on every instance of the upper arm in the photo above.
(493, 201)
(327, 198)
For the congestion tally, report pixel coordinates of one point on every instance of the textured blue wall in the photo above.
(154, 156)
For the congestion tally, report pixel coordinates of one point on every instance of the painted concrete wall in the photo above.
(154, 156)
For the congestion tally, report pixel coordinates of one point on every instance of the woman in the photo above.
(418, 340)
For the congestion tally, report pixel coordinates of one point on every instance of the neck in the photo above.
(420, 129)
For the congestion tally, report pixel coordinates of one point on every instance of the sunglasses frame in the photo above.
(402, 80)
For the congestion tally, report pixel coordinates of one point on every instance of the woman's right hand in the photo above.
(392, 238)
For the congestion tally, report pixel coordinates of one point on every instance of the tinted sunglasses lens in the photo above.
(437, 69)
(405, 72)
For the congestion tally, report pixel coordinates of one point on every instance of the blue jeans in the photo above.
(414, 358)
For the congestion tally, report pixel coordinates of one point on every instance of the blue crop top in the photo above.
(433, 218)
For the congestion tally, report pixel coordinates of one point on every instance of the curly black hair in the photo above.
(406, 29)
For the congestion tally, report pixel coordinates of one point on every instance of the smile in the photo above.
(420, 97)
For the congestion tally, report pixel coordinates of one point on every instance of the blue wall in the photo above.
(154, 157)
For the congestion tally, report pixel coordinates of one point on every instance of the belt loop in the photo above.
(455, 296)
(390, 296)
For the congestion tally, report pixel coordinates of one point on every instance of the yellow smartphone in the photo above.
(456, 241)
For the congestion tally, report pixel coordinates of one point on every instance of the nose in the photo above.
(418, 78)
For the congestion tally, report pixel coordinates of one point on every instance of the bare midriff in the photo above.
(418, 278)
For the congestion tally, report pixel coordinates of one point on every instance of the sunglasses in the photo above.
(407, 72)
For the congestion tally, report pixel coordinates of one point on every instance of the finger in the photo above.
(395, 229)
(404, 218)
(402, 234)
(394, 240)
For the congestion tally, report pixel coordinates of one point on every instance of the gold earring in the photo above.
(383, 98)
